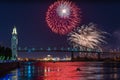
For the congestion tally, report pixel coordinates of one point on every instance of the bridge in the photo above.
(15, 48)
(72, 50)
(68, 50)
(59, 50)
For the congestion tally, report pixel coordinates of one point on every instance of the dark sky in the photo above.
(29, 18)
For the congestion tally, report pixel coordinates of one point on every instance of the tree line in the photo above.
(5, 53)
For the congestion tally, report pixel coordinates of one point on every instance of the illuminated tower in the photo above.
(14, 43)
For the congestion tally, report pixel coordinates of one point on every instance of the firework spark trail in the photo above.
(87, 36)
(62, 17)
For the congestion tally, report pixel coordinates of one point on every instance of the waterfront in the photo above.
(65, 71)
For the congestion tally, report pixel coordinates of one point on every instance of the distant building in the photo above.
(49, 57)
(14, 43)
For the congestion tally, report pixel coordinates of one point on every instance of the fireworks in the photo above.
(86, 36)
(62, 17)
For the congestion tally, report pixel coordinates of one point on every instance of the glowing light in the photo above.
(63, 11)
(14, 30)
(62, 17)
(87, 36)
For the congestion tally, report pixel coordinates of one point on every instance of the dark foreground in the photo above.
(65, 71)
(7, 67)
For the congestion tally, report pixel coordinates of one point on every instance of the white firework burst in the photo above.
(63, 10)
(87, 36)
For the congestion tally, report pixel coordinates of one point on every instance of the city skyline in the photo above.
(33, 31)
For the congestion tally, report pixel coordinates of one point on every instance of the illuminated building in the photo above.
(48, 58)
(14, 43)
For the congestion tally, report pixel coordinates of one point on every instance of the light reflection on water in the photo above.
(65, 71)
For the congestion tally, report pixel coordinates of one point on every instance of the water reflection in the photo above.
(27, 71)
(111, 71)
(65, 71)
(13, 75)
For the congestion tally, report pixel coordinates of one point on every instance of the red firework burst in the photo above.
(62, 17)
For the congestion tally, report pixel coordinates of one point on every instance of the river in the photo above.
(65, 71)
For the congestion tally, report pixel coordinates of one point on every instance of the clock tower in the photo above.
(14, 43)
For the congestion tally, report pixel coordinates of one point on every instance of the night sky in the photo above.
(29, 18)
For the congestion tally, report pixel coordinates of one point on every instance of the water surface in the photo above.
(65, 71)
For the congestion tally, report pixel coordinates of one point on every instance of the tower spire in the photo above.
(14, 30)
(14, 43)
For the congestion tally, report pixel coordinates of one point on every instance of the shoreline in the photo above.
(7, 67)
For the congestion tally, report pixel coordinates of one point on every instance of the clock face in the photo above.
(14, 40)
(14, 37)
